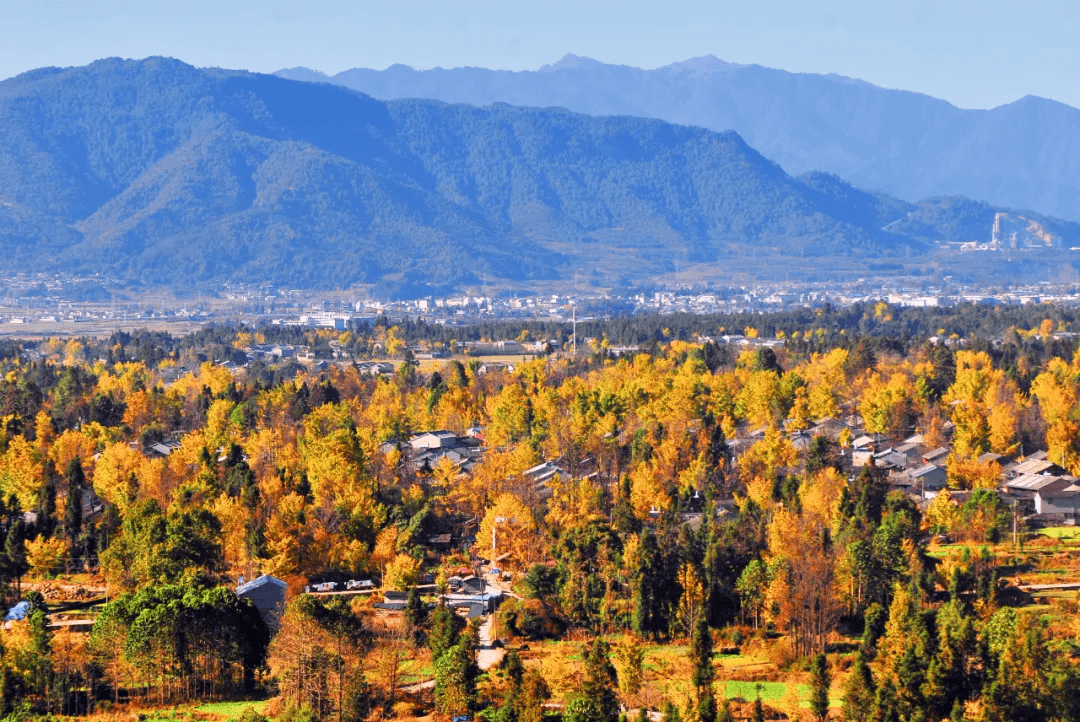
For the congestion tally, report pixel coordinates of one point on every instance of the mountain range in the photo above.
(162, 174)
(1023, 155)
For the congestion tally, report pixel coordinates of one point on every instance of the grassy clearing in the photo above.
(229, 710)
(668, 671)
(777, 694)
(1062, 533)
(770, 691)
(416, 674)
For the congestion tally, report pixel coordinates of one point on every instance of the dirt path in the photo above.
(488, 656)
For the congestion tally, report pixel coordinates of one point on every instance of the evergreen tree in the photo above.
(671, 713)
(819, 687)
(859, 691)
(10, 690)
(39, 672)
(509, 710)
(884, 709)
(89, 543)
(910, 677)
(75, 480)
(582, 709)
(455, 681)
(757, 712)
(515, 670)
(599, 681)
(650, 589)
(46, 522)
(873, 628)
(15, 553)
(445, 630)
(702, 677)
(534, 692)
(415, 615)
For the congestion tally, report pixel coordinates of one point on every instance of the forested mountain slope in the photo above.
(1025, 154)
(165, 174)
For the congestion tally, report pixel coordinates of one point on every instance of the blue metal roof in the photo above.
(256, 583)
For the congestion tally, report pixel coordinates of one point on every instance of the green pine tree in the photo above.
(757, 712)
(39, 674)
(702, 676)
(445, 629)
(599, 682)
(455, 681)
(671, 713)
(859, 691)
(75, 480)
(884, 709)
(415, 614)
(819, 687)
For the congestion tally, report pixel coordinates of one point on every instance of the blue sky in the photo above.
(974, 54)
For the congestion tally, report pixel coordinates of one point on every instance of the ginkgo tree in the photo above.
(508, 532)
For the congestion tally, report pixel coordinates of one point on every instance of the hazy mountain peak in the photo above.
(1037, 102)
(703, 64)
(402, 68)
(305, 74)
(572, 62)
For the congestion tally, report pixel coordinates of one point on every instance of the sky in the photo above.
(973, 53)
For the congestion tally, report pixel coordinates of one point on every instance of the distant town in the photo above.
(59, 304)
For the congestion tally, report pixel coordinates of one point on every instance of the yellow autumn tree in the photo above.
(20, 472)
(334, 460)
(820, 496)
(1057, 390)
(350, 556)
(114, 473)
(509, 415)
(45, 555)
(510, 525)
(234, 518)
(758, 400)
(967, 473)
(647, 490)
(887, 403)
(941, 514)
(72, 444)
(401, 573)
(219, 429)
(760, 465)
(826, 378)
(289, 538)
(44, 432)
(985, 406)
(573, 502)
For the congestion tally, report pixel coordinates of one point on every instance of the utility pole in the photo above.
(575, 330)
(494, 611)
(1016, 541)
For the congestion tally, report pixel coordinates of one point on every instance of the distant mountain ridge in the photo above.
(164, 174)
(1024, 155)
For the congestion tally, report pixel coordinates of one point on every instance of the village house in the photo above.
(928, 479)
(1036, 464)
(1060, 498)
(267, 593)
